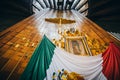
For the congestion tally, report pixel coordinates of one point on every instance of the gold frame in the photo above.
(79, 43)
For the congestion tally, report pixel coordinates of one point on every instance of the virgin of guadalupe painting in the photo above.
(76, 46)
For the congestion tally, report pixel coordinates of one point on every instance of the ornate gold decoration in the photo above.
(72, 32)
(60, 20)
(74, 42)
(17, 45)
(65, 75)
(77, 45)
(66, 33)
(96, 47)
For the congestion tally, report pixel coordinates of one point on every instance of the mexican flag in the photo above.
(48, 61)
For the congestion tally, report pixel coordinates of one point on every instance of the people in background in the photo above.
(69, 4)
(60, 3)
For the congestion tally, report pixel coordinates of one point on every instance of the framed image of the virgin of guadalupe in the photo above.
(77, 45)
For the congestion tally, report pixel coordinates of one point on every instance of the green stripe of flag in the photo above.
(40, 61)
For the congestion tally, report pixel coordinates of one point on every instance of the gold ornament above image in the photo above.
(60, 20)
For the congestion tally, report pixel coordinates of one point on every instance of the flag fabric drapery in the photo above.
(48, 59)
(40, 61)
(111, 62)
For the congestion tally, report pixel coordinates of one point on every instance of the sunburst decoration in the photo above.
(60, 20)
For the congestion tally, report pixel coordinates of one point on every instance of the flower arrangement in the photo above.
(65, 75)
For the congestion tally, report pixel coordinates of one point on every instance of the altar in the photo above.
(81, 37)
